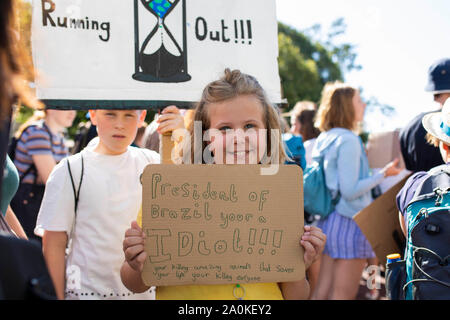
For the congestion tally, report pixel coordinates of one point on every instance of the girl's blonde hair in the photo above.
(336, 108)
(231, 85)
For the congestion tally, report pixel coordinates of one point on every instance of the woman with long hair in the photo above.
(13, 88)
(348, 178)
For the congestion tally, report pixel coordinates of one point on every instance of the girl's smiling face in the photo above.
(237, 130)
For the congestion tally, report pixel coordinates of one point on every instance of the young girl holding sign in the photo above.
(234, 102)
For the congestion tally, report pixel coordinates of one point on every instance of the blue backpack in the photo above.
(317, 197)
(425, 271)
(295, 149)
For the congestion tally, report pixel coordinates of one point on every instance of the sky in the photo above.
(396, 42)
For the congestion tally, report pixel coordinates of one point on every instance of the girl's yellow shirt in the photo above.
(253, 291)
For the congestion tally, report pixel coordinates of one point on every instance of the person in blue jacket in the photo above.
(348, 177)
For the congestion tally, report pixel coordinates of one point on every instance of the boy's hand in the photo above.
(133, 247)
(313, 240)
(170, 120)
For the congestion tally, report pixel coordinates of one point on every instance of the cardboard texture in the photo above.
(166, 146)
(222, 224)
(384, 147)
(380, 224)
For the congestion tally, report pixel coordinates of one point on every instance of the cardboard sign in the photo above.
(222, 224)
(380, 224)
(384, 147)
(136, 53)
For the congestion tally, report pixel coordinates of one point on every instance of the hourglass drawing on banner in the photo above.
(161, 49)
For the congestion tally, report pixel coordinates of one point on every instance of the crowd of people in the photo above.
(83, 209)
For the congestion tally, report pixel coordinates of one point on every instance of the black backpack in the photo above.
(23, 271)
(424, 274)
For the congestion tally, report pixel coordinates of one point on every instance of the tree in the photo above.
(318, 60)
(299, 76)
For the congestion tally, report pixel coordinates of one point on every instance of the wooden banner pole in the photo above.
(166, 146)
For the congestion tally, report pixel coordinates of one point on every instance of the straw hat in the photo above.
(438, 123)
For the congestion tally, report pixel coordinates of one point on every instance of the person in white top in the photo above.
(106, 180)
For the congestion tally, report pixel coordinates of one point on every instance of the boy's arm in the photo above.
(135, 255)
(54, 247)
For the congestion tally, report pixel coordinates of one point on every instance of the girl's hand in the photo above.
(133, 247)
(391, 168)
(313, 240)
(170, 120)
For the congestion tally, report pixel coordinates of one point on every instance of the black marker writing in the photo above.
(48, 7)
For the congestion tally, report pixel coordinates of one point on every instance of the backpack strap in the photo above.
(438, 178)
(76, 193)
(445, 168)
(49, 134)
(428, 278)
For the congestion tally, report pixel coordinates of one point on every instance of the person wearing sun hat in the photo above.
(437, 126)
(417, 154)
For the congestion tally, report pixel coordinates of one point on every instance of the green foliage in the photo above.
(307, 61)
(299, 76)
(23, 115)
(79, 119)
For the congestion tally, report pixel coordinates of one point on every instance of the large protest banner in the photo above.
(222, 224)
(147, 53)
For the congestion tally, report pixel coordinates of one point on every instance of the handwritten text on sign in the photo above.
(222, 224)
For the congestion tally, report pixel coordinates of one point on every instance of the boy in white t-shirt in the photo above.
(110, 196)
